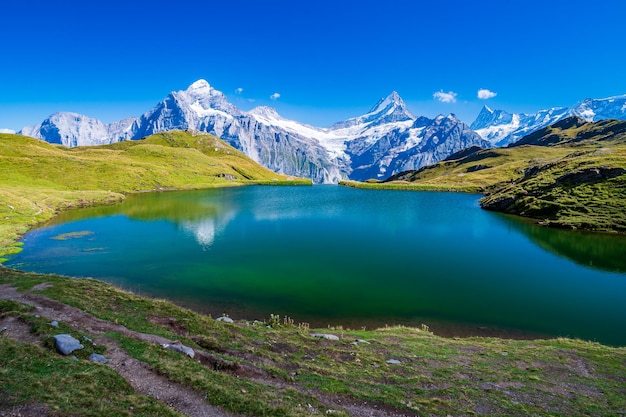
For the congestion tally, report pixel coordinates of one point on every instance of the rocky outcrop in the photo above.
(589, 175)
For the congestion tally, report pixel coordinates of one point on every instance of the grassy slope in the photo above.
(436, 376)
(529, 176)
(38, 179)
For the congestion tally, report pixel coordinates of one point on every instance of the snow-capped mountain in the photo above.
(501, 128)
(384, 141)
(261, 134)
(410, 146)
(72, 129)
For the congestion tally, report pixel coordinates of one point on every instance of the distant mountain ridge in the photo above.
(501, 128)
(386, 140)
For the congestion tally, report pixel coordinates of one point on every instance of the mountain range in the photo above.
(386, 140)
(501, 128)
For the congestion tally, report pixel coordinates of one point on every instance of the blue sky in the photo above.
(328, 60)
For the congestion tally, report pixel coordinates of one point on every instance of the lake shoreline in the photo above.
(274, 366)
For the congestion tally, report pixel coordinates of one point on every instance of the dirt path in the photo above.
(146, 381)
(137, 373)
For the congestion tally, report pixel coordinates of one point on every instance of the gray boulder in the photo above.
(66, 344)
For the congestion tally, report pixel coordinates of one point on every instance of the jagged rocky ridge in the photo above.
(501, 128)
(386, 140)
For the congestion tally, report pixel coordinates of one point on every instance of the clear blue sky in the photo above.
(328, 60)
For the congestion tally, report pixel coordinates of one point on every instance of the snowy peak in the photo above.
(488, 117)
(202, 99)
(593, 110)
(200, 85)
(265, 111)
(393, 100)
(73, 129)
(389, 109)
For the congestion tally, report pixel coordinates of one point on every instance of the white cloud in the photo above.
(275, 96)
(7, 131)
(485, 94)
(449, 97)
(239, 90)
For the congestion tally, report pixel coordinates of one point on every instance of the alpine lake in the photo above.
(335, 256)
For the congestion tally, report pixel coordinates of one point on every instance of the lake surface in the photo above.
(330, 255)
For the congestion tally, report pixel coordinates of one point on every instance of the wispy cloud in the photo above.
(275, 96)
(449, 97)
(239, 90)
(485, 94)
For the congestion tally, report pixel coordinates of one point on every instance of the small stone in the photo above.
(505, 353)
(86, 339)
(325, 336)
(54, 323)
(225, 319)
(4, 329)
(357, 341)
(94, 357)
(393, 362)
(180, 348)
(66, 344)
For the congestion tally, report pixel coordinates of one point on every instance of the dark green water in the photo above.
(330, 255)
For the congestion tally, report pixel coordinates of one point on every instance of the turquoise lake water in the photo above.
(330, 255)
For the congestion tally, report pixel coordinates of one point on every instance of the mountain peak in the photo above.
(488, 117)
(265, 111)
(201, 84)
(389, 109)
(392, 101)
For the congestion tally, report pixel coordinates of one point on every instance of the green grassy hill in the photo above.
(571, 174)
(38, 179)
